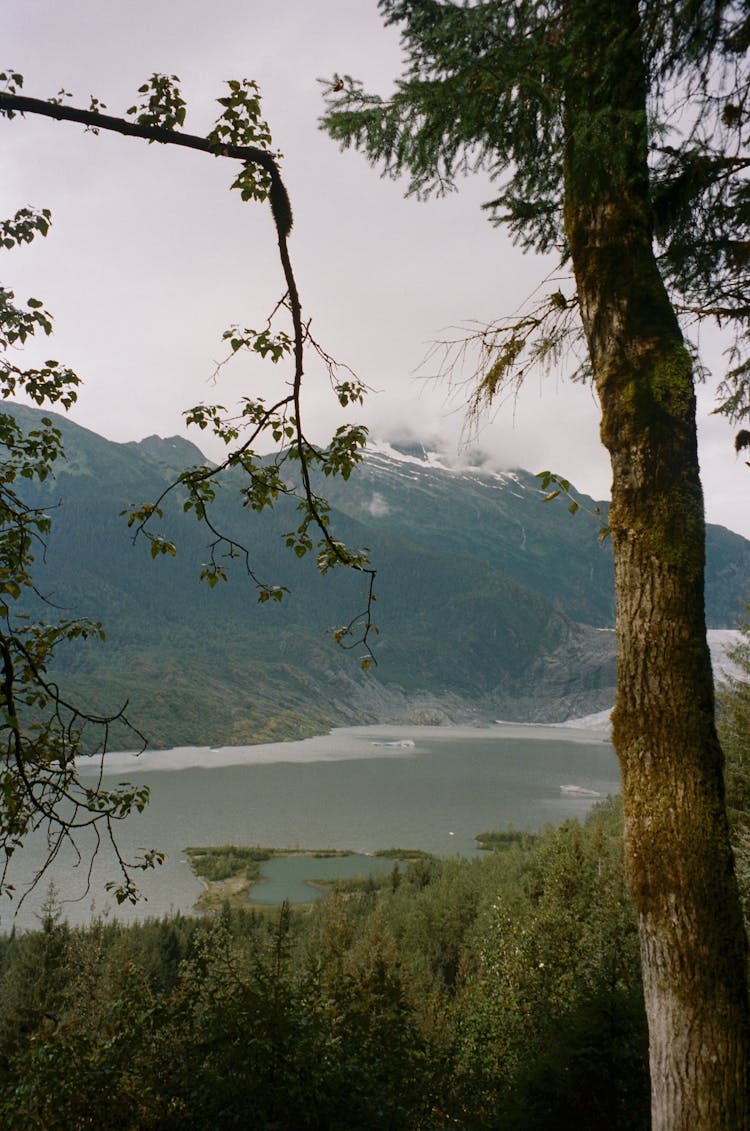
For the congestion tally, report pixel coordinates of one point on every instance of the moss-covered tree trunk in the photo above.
(678, 855)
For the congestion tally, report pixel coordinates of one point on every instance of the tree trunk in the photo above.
(679, 861)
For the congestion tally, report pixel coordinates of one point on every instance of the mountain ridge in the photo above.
(477, 586)
(577, 576)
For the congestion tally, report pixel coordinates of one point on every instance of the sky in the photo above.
(150, 257)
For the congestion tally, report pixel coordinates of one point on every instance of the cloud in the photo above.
(377, 506)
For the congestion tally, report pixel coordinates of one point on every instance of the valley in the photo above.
(491, 604)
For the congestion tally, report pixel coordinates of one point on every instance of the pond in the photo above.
(292, 878)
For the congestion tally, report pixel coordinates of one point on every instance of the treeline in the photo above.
(497, 992)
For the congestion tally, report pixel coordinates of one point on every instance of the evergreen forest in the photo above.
(498, 992)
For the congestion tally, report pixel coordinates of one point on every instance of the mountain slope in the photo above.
(477, 589)
(501, 518)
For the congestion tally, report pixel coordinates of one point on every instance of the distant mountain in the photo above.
(490, 604)
(500, 517)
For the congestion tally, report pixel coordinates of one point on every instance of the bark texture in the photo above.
(678, 855)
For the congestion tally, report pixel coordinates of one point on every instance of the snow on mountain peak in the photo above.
(470, 463)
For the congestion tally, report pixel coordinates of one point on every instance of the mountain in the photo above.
(490, 604)
(500, 517)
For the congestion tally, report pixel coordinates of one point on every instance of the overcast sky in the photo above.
(151, 257)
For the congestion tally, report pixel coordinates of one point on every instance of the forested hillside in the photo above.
(503, 991)
(490, 604)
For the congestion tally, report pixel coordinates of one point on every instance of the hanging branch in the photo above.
(161, 110)
(94, 120)
(41, 733)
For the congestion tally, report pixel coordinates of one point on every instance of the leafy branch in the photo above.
(241, 134)
(42, 734)
(561, 486)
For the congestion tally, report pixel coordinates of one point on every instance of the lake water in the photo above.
(342, 790)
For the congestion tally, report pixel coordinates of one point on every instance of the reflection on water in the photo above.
(335, 791)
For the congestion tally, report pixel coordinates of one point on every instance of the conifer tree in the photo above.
(616, 131)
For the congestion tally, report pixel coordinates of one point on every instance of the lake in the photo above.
(342, 790)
